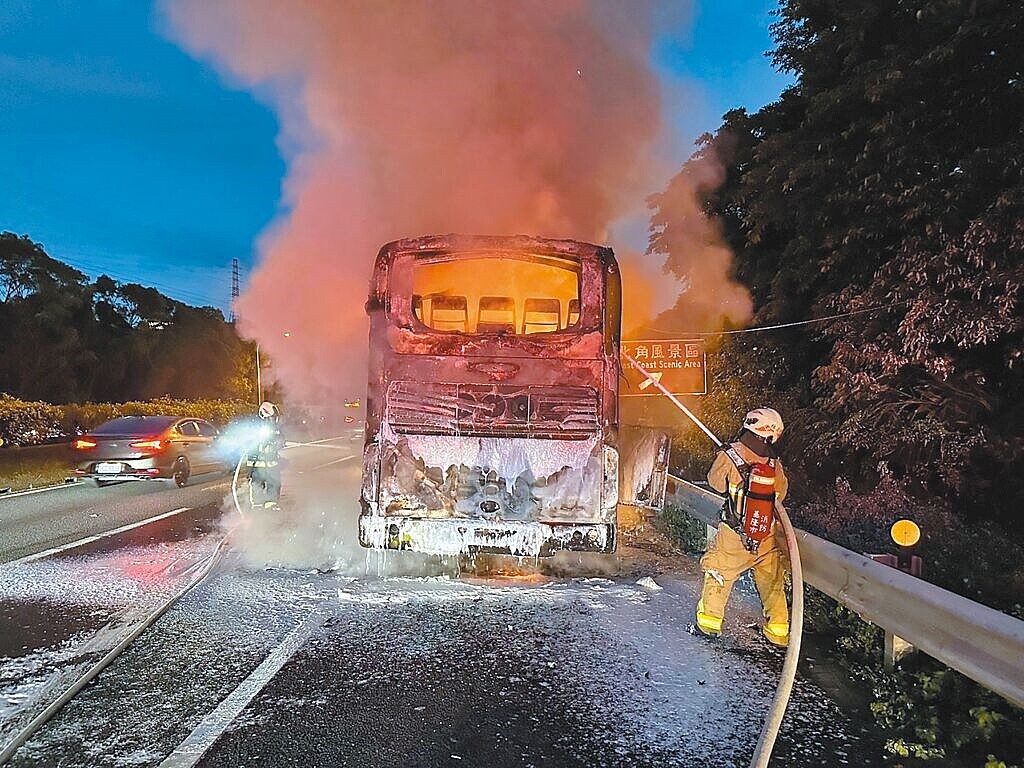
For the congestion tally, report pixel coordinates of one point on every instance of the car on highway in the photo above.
(149, 448)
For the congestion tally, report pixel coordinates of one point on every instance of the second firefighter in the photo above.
(265, 461)
(749, 472)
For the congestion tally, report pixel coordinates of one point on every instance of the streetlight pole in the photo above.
(259, 372)
(259, 377)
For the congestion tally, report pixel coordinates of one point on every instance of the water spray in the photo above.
(773, 721)
(244, 437)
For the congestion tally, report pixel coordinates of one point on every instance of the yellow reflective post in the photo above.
(905, 533)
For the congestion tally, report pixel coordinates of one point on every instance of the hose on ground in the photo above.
(772, 723)
(199, 573)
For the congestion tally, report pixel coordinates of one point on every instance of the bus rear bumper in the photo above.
(455, 536)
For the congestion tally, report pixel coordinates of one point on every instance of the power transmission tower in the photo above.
(234, 287)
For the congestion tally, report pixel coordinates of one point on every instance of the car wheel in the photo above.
(101, 483)
(181, 473)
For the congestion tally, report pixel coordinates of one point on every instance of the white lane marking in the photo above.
(30, 491)
(97, 537)
(326, 447)
(336, 461)
(289, 444)
(197, 743)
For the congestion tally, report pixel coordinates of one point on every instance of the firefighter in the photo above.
(747, 538)
(265, 478)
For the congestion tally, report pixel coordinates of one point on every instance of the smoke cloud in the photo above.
(694, 248)
(407, 118)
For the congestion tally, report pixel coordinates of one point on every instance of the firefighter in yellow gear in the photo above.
(731, 553)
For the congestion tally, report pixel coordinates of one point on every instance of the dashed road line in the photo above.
(316, 443)
(329, 463)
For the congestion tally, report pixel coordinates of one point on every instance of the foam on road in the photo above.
(64, 611)
(435, 671)
(389, 659)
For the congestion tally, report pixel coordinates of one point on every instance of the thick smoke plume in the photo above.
(694, 249)
(410, 118)
(406, 118)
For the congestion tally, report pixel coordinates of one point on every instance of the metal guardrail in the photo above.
(980, 642)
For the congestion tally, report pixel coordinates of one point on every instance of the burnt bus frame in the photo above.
(403, 348)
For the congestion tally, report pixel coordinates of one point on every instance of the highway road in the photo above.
(302, 649)
(34, 521)
(38, 520)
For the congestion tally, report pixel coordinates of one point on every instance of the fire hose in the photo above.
(234, 484)
(773, 721)
(247, 441)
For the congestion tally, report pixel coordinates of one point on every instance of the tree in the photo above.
(64, 339)
(25, 269)
(888, 179)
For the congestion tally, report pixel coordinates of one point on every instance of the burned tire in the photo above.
(182, 471)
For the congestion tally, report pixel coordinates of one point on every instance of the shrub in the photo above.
(861, 521)
(926, 709)
(689, 532)
(23, 423)
(32, 423)
(949, 544)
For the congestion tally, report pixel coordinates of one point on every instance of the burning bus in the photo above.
(492, 406)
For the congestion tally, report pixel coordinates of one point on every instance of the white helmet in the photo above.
(765, 422)
(269, 411)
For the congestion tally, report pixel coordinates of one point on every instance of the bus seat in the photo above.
(448, 313)
(497, 315)
(574, 312)
(541, 315)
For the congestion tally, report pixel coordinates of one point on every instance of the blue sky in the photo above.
(122, 154)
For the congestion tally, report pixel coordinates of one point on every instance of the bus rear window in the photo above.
(513, 295)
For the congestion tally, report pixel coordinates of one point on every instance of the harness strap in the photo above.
(737, 494)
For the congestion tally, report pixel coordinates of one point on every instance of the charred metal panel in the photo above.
(510, 410)
(492, 428)
(643, 461)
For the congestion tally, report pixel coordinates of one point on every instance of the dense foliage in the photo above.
(888, 177)
(926, 710)
(32, 423)
(886, 182)
(65, 339)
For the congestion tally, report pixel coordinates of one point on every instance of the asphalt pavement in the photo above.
(61, 612)
(437, 671)
(40, 520)
(302, 649)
